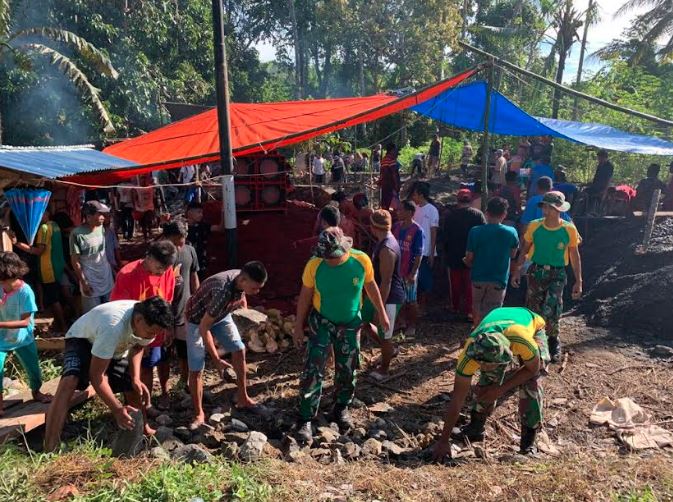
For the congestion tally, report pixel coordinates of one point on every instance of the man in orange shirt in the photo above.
(142, 279)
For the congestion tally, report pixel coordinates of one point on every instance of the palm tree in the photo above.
(591, 18)
(653, 25)
(32, 43)
(567, 20)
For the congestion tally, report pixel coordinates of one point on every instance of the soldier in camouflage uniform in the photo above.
(505, 337)
(330, 299)
(551, 244)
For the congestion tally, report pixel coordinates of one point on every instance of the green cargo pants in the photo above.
(346, 342)
(531, 393)
(545, 294)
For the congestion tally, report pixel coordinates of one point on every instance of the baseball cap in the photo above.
(93, 206)
(464, 195)
(555, 200)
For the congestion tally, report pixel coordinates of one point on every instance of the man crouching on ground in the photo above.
(332, 284)
(105, 347)
(209, 319)
(503, 334)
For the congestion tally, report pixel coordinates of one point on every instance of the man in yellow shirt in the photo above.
(331, 298)
(505, 335)
(550, 243)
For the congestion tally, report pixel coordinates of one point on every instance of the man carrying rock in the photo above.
(503, 336)
(105, 347)
(209, 317)
(332, 285)
(552, 243)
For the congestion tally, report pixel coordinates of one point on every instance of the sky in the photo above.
(599, 36)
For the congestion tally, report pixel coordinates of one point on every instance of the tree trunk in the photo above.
(563, 54)
(583, 47)
(297, 52)
(466, 6)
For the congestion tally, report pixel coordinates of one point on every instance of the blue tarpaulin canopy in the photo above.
(57, 162)
(464, 106)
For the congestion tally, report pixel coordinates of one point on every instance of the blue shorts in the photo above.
(155, 355)
(225, 334)
(411, 291)
(425, 276)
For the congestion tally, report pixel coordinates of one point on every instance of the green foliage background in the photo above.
(162, 50)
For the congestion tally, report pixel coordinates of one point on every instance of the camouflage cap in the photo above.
(490, 347)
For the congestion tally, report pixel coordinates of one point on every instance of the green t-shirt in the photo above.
(337, 290)
(550, 245)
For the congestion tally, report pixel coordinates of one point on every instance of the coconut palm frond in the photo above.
(632, 5)
(5, 18)
(91, 54)
(75, 75)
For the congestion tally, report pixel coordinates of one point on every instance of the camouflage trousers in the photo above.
(531, 393)
(346, 342)
(545, 294)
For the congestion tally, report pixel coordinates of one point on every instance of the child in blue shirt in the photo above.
(17, 307)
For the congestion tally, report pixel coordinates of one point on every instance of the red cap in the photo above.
(464, 195)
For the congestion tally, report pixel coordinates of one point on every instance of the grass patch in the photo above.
(94, 475)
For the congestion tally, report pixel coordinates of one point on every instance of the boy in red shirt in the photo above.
(142, 279)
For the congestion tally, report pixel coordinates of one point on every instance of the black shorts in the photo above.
(180, 348)
(147, 219)
(77, 361)
(51, 293)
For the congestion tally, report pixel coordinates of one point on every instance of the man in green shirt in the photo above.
(550, 243)
(333, 281)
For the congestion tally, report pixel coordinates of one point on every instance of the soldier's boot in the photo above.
(527, 444)
(555, 349)
(474, 431)
(305, 432)
(343, 418)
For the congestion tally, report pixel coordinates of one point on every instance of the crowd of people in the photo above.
(369, 272)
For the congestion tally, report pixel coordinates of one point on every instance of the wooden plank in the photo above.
(659, 213)
(30, 415)
(53, 343)
(27, 396)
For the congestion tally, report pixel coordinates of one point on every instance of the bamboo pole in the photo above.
(486, 140)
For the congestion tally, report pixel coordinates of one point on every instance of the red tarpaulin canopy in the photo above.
(256, 127)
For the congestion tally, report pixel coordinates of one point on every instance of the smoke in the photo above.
(41, 106)
(46, 110)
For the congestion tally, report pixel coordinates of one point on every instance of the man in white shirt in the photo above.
(427, 217)
(319, 168)
(105, 347)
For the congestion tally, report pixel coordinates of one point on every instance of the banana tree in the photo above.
(29, 44)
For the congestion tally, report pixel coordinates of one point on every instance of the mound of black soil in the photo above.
(623, 289)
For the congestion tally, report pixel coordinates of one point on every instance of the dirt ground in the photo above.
(583, 462)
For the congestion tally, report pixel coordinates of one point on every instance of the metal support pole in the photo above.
(486, 140)
(226, 157)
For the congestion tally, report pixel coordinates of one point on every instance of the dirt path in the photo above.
(589, 463)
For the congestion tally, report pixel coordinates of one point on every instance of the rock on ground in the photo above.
(253, 447)
(192, 454)
(372, 447)
(128, 443)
